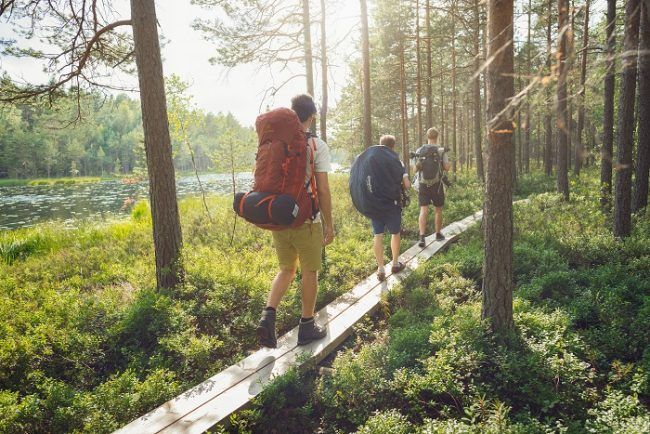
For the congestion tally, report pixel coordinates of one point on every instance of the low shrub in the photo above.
(388, 422)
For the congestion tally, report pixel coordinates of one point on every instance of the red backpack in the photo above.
(281, 197)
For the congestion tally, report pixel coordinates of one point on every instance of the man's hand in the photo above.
(328, 235)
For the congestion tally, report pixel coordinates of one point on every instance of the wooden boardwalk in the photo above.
(212, 401)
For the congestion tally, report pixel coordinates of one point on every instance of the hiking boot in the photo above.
(422, 241)
(397, 268)
(309, 331)
(439, 236)
(266, 330)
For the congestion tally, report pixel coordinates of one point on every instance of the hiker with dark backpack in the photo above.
(377, 183)
(291, 197)
(431, 165)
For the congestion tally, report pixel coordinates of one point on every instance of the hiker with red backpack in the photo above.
(291, 197)
(431, 165)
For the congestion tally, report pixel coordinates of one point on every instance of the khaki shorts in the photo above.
(304, 243)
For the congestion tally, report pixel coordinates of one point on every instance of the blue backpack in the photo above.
(376, 181)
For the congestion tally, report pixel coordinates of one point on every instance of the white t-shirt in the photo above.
(322, 163)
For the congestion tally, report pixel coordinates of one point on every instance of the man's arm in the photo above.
(446, 165)
(406, 182)
(325, 202)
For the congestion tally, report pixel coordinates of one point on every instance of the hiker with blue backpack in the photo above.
(377, 182)
(431, 164)
(291, 196)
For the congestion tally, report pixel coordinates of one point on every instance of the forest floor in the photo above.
(578, 359)
(87, 343)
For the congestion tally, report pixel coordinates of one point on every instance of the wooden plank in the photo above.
(210, 402)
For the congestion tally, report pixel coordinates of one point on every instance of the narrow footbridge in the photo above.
(212, 401)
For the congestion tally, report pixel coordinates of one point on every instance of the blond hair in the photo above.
(432, 134)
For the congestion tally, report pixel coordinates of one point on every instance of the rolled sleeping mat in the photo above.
(266, 208)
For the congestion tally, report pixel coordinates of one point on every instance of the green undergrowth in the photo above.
(87, 343)
(577, 361)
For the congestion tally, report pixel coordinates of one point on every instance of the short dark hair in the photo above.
(303, 105)
(388, 141)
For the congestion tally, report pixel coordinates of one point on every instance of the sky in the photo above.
(241, 90)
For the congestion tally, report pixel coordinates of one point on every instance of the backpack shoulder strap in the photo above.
(312, 143)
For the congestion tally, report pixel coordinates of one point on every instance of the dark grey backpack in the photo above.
(429, 163)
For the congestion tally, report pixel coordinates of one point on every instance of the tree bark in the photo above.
(548, 119)
(167, 234)
(643, 147)
(570, 53)
(562, 112)
(497, 209)
(461, 129)
(519, 143)
(454, 137)
(607, 152)
(581, 95)
(443, 114)
(418, 77)
(365, 49)
(468, 132)
(527, 145)
(402, 74)
(309, 58)
(324, 90)
(477, 94)
(429, 67)
(625, 137)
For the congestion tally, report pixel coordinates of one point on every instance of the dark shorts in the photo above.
(432, 195)
(391, 220)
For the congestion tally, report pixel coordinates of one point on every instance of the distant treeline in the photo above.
(106, 139)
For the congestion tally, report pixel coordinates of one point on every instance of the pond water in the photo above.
(24, 206)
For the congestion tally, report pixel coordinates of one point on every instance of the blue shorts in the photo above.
(391, 220)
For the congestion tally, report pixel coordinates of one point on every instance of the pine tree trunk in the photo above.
(478, 151)
(418, 77)
(461, 129)
(625, 137)
(570, 53)
(454, 136)
(365, 49)
(468, 132)
(607, 152)
(429, 67)
(309, 58)
(324, 90)
(548, 120)
(527, 145)
(167, 236)
(562, 112)
(581, 95)
(519, 146)
(443, 113)
(497, 211)
(643, 147)
(402, 74)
